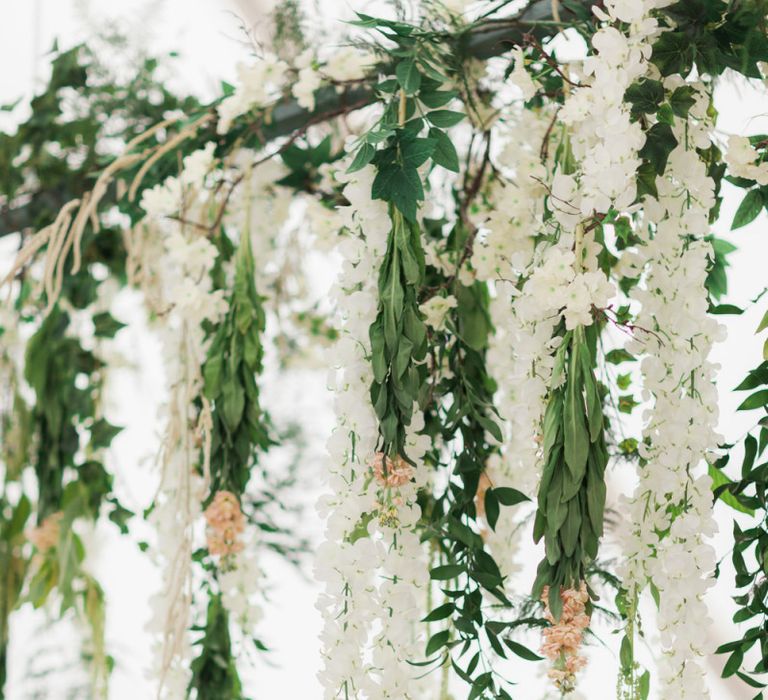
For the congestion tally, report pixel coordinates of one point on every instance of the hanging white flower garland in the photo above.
(372, 563)
(671, 510)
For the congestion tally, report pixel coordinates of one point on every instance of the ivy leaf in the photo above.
(673, 52)
(444, 118)
(645, 96)
(681, 100)
(627, 403)
(105, 325)
(659, 143)
(619, 355)
(646, 181)
(749, 208)
(408, 76)
(102, 433)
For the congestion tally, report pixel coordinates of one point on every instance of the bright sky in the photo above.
(206, 34)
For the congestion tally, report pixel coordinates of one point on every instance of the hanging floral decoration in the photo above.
(508, 229)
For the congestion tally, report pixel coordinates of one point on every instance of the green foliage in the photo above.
(459, 413)
(240, 427)
(55, 153)
(750, 207)
(713, 35)
(572, 490)
(214, 675)
(53, 362)
(398, 335)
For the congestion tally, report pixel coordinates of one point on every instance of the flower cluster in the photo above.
(563, 638)
(436, 310)
(239, 585)
(46, 535)
(176, 193)
(225, 524)
(258, 84)
(261, 83)
(177, 285)
(372, 561)
(555, 287)
(604, 139)
(391, 473)
(743, 160)
(670, 514)
(520, 354)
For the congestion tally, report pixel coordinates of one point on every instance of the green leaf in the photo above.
(491, 508)
(673, 52)
(364, 155)
(102, 433)
(437, 98)
(748, 209)
(681, 100)
(660, 141)
(440, 613)
(446, 572)
(625, 653)
(627, 403)
(720, 479)
(763, 323)
(756, 400)
(509, 497)
(444, 118)
(726, 310)
(408, 76)
(401, 186)
(734, 663)
(415, 152)
(576, 435)
(105, 325)
(437, 641)
(445, 152)
(645, 96)
(522, 651)
(644, 684)
(618, 356)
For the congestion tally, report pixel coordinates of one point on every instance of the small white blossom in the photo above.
(436, 309)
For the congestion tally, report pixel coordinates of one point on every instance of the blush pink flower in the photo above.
(390, 473)
(225, 522)
(46, 535)
(562, 639)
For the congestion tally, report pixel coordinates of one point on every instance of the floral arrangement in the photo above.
(507, 227)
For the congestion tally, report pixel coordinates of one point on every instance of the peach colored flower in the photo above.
(46, 535)
(390, 473)
(225, 522)
(561, 641)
